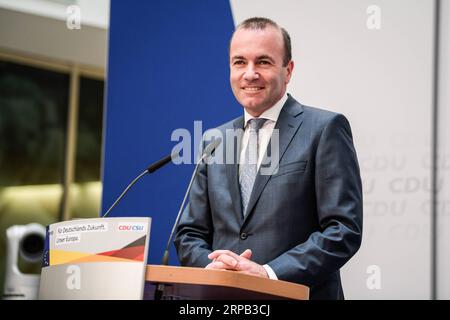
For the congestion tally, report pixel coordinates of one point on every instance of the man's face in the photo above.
(257, 76)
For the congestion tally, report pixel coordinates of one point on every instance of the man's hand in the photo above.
(228, 260)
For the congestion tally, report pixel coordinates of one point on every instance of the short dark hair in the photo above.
(260, 23)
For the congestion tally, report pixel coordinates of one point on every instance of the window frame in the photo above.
(75, 72)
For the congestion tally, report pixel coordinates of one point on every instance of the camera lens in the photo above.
(32, 246)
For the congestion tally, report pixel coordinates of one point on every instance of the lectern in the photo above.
(185, 283)
(102, 258)
(106, 258)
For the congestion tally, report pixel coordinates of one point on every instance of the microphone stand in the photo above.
(124, 192)
(152, 168)
(165, 261)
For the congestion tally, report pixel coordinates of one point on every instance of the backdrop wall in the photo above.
(167, 68)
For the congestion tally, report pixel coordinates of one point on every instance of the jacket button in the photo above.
(244, 236)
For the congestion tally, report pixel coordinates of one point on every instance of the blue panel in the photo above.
(168, 66)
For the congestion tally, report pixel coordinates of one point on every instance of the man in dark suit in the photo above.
(298, 221)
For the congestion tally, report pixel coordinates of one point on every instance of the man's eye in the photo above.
(238, 62)
(264, 62)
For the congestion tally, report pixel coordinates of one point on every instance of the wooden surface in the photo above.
(200, 283)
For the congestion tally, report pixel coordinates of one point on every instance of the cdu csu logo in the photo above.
(132, 227)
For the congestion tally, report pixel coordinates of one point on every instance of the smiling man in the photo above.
(302, 222)
(260, 67)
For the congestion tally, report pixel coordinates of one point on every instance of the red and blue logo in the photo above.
(136, 227)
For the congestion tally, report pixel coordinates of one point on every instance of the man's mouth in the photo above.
(252, 89)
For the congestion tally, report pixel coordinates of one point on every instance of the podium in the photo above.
(186, 283)
(100, 258)
(106, 258)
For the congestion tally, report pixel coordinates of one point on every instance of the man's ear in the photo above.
(289, 69)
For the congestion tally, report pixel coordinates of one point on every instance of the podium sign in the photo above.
(102, 258)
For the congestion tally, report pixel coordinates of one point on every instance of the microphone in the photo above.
(165, 261)
(206, 153)
(152, 168)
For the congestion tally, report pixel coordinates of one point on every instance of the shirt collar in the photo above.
(271, 114)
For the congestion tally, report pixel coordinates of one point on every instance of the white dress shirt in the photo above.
(265, 132)
(263, 137)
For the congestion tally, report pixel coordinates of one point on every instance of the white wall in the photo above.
(93, 12)
(49, 37)
(39, 28)
(381, 80)
(443, 221)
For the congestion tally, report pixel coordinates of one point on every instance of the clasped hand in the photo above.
(228, 260)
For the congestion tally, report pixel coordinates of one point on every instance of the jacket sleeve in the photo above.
(195, 231)
(338, 192)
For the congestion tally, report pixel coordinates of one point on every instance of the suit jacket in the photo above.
(304, 221)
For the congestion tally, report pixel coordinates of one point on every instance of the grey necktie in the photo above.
(248, 169)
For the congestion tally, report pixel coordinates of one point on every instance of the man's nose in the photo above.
(250, 73)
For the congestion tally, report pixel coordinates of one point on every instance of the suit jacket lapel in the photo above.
(288, 123)
(233, 168)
